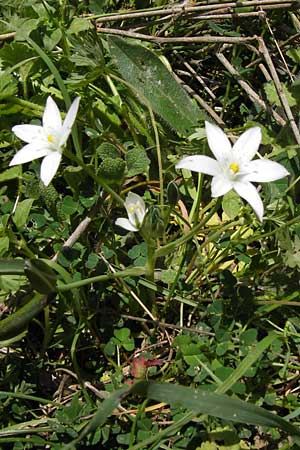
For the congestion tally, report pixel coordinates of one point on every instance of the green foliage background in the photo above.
(83, 326)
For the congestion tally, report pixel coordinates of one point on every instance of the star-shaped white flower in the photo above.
(233, 167)
(46, 141)
(136, 210)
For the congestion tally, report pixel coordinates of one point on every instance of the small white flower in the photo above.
(46, 141)
(233, 167)
(136, 210)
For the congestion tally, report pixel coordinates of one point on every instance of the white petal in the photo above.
(68, 122)
(248, 192)
(124, 223)
(135, 207)
(28, 153)
(52, 122)
(248, 143)
(199, 163)
(28, 133)
(264, 170)
(220, 186)
(217, 141)
(49, 167)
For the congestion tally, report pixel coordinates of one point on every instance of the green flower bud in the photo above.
(153, 225)
(172, 193)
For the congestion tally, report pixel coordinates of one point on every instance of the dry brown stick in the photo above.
(7, 36)
(179, 40)
(79, 230)
(254, 97)
(169, 325)
(200, 80)
(201, 102)
(279, 49)
(224, 16)
(188, 10)
(283, 99)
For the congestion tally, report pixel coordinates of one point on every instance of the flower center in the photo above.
(50, 138)
(234, 167)
(133, 208)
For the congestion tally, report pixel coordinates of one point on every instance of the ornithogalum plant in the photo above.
(46, 141)
(234, 167)
(136, 210)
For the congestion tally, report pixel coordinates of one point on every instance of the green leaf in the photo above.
(11, 267)
(78, 25)
(231, 204)
(12, 325)
(218, 405)
(8, 86)
(11, 173)
(101, 416)
(4, 245)
(41, 276)
(69, 206)
(137, 161)
(247, 362)
(272, 95)
(151, 79)
(22, 212)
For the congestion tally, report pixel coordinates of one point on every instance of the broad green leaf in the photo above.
(11, 173)
(272, 95)
(15, 323)
(41, 276)
(78, 25)
(231, 204)
(22, 211)
(8, 85)
(151, 79)
(137, 161)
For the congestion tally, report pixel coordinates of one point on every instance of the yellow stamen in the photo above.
(50, 138)
(234, 167)
(133, 208)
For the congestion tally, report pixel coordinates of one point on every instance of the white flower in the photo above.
(136, 210)
(233, 167)
(46, 141)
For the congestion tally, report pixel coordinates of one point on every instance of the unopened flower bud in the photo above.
(172, 193)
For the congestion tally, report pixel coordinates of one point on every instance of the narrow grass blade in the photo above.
(218, 405)
(247, 362)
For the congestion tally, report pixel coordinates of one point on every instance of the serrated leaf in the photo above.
(149, 77)
(272, 95)
(8, 86)
(137, 161)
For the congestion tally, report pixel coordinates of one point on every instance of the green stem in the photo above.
(194, 214)
(134, 272)
(38, 109)
(157, 142)
(150, 266)
(269, 233)
(162, 251)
